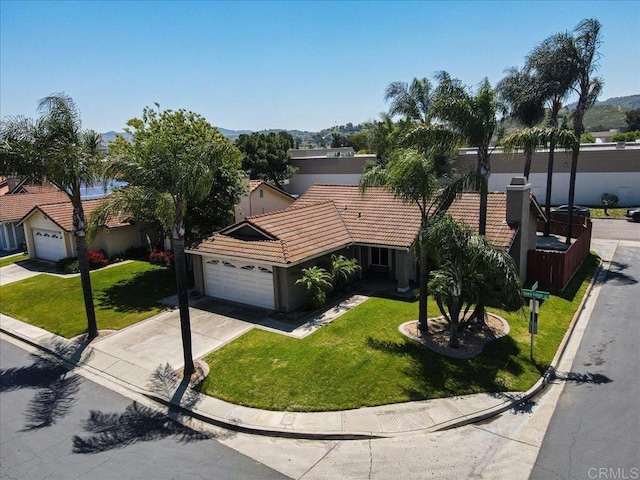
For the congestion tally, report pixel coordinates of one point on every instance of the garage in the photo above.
(240, 282)
(49, 244)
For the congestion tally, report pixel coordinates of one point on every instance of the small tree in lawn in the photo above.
(609, 201)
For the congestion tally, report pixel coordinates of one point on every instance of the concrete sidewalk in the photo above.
(110, 360)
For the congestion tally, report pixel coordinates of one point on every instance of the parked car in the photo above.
(577, 210)
(633, 214)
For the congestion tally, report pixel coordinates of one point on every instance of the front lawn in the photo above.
(361, 359)
(123, 295)
(617, 212)
(13, 259)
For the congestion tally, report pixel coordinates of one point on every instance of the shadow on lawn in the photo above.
(431, 372)
(56, 385)
(140, 292)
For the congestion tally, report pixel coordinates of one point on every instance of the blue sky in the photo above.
(294, 65)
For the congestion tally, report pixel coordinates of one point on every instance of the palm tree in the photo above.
(342, 269)
(411, 101)
(586, 41)
(316, 281)
(56, 147)
(552, 64)
(470, 270)
(521, 92)
(170, 164)
(411, 177)
(472, 117)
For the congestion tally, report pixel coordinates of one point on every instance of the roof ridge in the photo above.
(344, 224)
(285, 251)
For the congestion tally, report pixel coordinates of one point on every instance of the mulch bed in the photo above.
(471, 342)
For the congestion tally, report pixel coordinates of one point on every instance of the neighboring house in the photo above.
(335, 166)
(258, 260)
(4, 185)
(15, 206)
(602, 168)
(48, 232)
(261, 198)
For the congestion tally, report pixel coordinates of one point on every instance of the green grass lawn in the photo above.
(618, 212)
(361, 359)
(13, 259)
(123, 295)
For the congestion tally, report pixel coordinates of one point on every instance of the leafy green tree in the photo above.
(470, 270)
(266, 157)
(411, 177)
(626, 136)
(171, 163)
(316, 281)
(633, 119)
(586, 41)
(473, 117)
(609, 200)
(56, 147)
(551, 64)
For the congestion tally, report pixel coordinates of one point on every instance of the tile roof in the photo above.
(329, 217)
(14, 207)
(62, 214)
(297, 233)
(254, 184)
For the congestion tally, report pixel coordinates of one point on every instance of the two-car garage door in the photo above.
(240, 282)
(49, 244)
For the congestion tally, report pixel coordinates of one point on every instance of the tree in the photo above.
(473, 117)
(266, 157)
(411, 177)
(411, 101)
(342, 269)
(56, 147)
(316, 282)
(552, 65)
(171, 163)
(522, 93)
(586, 41)
(470, 271)
(633, 119)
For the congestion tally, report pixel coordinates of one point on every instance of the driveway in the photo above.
(154, 342)
(25, 269)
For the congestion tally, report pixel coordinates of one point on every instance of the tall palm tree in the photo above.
(56, 147)
(170, 164)
(411, 101)
(587, 39)
(552, 64)
(411, 177)
(473, 116)
(470, 270)
(522, 93)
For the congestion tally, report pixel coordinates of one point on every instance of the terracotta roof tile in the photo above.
(14, 207)
(62, 214)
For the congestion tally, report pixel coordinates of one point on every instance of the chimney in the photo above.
(518, 214)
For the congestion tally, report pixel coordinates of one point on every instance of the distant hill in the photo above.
(233, 134)
(630, 102)
(606, 115)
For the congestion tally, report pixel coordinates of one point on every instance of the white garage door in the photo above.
(240, 282)
(49, 244)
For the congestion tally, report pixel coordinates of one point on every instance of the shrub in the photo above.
(136, 253)
(626, 136)
(96, 260)
(68, 265)
(316, 281)
(161, 257)
(609, 201)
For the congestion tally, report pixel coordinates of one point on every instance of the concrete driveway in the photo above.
(25, 269)
(152, 343)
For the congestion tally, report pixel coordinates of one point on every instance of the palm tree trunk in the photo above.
(79, 230)
(572, 189)
(484, 200)
(454, 313)
(183, 305)
(547, 202)
(424, 290)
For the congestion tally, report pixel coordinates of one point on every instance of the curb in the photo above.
(535, 390)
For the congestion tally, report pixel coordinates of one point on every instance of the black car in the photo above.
(577, 210)
(633, 214)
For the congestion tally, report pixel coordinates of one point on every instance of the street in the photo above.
(595, 430)
(615, 229)
(56, 424)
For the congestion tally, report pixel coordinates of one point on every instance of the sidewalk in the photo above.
(369, 422)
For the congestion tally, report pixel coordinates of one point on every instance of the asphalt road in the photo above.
(615, 230)
(55, 424)
(595, 430)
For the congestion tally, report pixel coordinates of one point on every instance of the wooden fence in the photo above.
(554, 269)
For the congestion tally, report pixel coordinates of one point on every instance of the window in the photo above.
(380, 256)
(261, 193)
